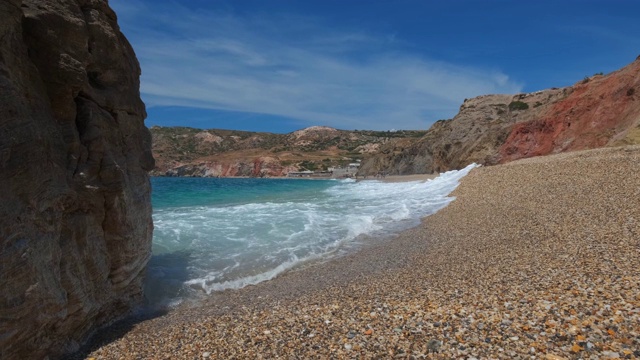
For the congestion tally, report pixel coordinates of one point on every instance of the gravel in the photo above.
(535, 259)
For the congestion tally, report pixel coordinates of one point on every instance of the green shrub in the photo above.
(518, 105)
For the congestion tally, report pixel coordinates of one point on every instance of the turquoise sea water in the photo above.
(215, 234)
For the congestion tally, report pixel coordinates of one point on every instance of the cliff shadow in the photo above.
(164, 283)
(163, 288)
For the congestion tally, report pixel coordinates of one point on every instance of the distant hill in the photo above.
(182, 151)
(599, 110)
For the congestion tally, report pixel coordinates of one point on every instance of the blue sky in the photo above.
(279, 66)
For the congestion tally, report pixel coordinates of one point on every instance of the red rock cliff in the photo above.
(491, 129)
(600, 111)
(75, 213)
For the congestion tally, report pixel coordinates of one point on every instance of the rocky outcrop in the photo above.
(181, 151)
(599, 111)
(491, 129)
(261, 166)
(75, 215)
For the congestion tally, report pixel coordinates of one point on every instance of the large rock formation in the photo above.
(491, 129)
(75, 214)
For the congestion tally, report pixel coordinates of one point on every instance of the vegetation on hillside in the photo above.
(309, 149)
(518, 105)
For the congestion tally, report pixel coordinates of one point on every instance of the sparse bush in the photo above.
(307, 165)
(518, 105)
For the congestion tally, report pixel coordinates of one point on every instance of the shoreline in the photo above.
(533, 247)
(388, 178)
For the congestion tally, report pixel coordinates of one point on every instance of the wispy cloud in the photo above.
(295, 67)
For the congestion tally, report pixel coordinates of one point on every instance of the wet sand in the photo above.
(539, 258)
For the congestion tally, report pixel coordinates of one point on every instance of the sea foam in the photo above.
(232, 244)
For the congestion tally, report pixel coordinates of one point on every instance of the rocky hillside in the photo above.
(183, 151)
(75, 215)
(602, 110)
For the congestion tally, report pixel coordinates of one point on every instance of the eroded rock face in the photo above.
(600, 111)
(75, 215)
(262, 166)
(491, 129)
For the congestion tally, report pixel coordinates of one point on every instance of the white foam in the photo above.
(208, 283)
(234, 246)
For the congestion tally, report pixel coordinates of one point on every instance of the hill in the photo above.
(182, 151)
(598, 111)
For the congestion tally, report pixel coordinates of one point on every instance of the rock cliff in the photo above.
(598, 111)
(183, 151)
(75, 215)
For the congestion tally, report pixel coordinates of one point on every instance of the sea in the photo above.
(213, 234)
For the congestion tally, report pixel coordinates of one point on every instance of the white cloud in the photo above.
(295, 67)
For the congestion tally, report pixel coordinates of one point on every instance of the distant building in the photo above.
(309, 174)
(345, 172)
(335, 172)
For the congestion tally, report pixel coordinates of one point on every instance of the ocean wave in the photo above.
(272, 234)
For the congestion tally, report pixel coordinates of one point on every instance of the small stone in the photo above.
(351, 335)
(206, 354)
(433, 345)
(266, 332)
(610, 355)
(368, 332)
(553, 357)
(347, 347)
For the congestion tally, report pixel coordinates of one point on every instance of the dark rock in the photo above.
(75, 215)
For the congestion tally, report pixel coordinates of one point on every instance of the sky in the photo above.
(283, 65)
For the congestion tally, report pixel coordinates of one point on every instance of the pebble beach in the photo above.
(535, 259)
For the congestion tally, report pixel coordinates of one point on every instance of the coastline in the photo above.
(538, 257)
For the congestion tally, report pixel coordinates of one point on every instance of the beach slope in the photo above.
(536, 258)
